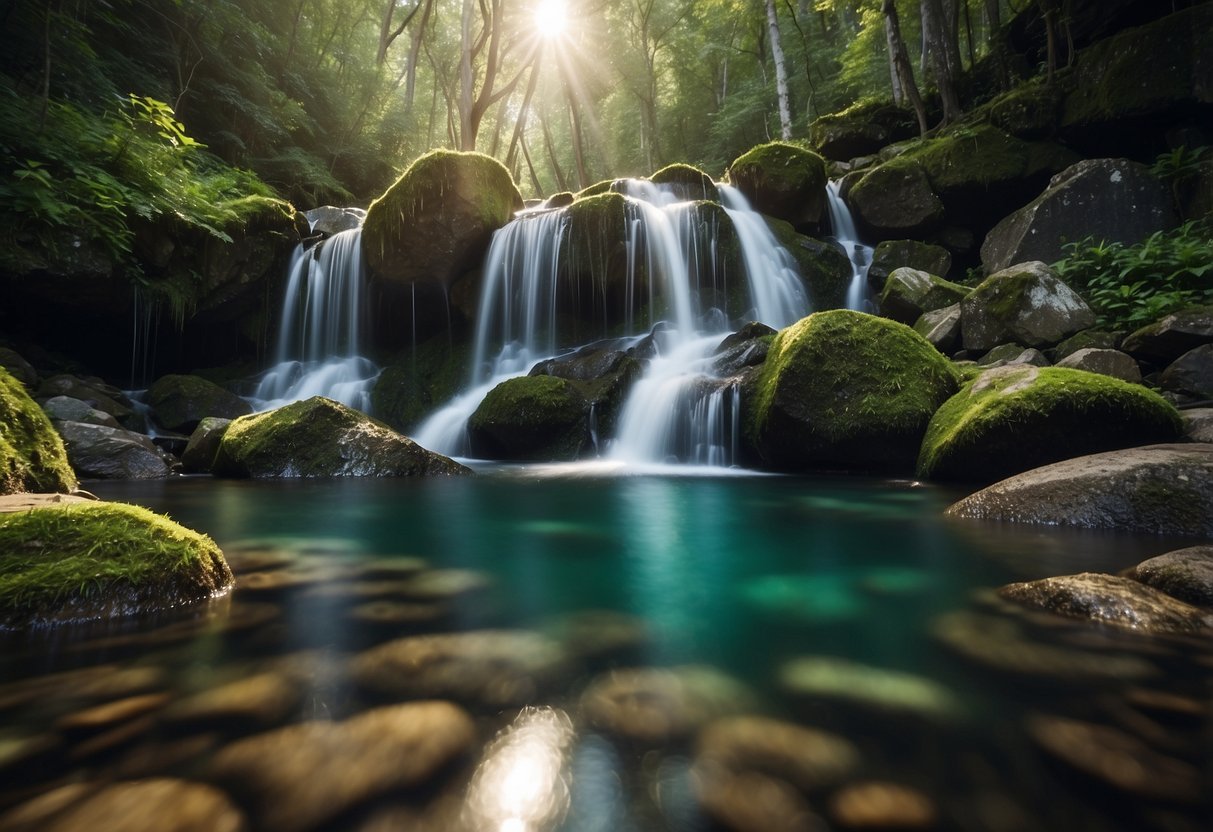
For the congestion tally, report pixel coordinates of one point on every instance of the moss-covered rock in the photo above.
(784, 181)
(1015, 418)
(861, 129)
(561, 199)
(1029, 111)
(603, 187)
(436, 221)
(895, 200)
(199, 454)
(603, 374)
(895, 254)
(180, 402)
(687, 182)
(319, 437)
(32, 456)
(531, 418)
(1025, 304)
(85, 562)
(908, 293)
(419, 380)
(846, 389)
(824, 266)
(1172, 335)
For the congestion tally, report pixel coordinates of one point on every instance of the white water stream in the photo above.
(860, 255)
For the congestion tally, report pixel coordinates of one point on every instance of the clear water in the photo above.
(740, 573)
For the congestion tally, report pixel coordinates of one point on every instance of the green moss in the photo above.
(32, 456)
(978, 156)
(690, 182)
(596, 189)
(1028, 111)
(779, 165)
(843, 387)
(419, 380)
(825, 269)
(532, 418)
(87, 562)
(1012, 419)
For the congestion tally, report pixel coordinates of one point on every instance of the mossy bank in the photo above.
(32, 456)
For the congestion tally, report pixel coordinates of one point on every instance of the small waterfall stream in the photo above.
(845, 234)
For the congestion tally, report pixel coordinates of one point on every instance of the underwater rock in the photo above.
(1108, 599)
(538, 418)
(1112, 363)
(199, 454)
(180, 403)
(847, 389)
(108, 715)
(319, 437)
(99, 452)
(783, 181)
(1186, 574)
(599, 636)
(489, 669)
(868, 688)
(1171, 336)
(807, 758)
(150, 805)
(1159, 489)
(753, 802)
(32, 455)
(908, 293)
(79, 563)
(1025, 304)
(258, 700)
(1014, 418)
(399, 615)
(882, 806)
(1191, 374)
(302, 776)
(661, 706)
(895, 254)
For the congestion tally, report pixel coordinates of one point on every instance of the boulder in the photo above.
(86, 562)
(941, 327)
(1005, 354)
(1159, 489)
(67, 409)
(419, 381)
(909, 292)
(32, 456)
(179, 403)
(846, 389)
(1010, 419)
(602, 375)
(860, 130)
(1186, 574)
(1095, 339)
(199, 454)
(1112, 363)
(1026, 304)
(1198, 424)
(1108, 599)
(1113, 200)
(895, 254)
(1171, 336)
(824, 266)
(561, 199)
(329, 219)
(747, 347)
(784, 181)
(18, 368)
(533, 418)
(1191, 374)
(105, 453)
(102, 396)
(435, 222)
(895, 200)
(319, 437)
(687, 182)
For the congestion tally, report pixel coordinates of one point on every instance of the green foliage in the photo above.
(1179, 164)
(1129, 286)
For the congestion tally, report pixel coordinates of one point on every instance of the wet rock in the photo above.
(99, 452)
(1160, 489)
(289, 579)
(199, 454)
(1198, 424)
(861, 129)
(180, 403)
(783, 181)
(390, 568)
(600, 635)
(1171, 336)
(807, 758)
(908, 293)
(330, 220)
(32, 456)
(399, 613)
(941, 327)
(151, 805)
(445, 584)
(105, 716)
(752, 802)
(883, 806)
(869, 688)
(896, 254)
(686, 182)
(22, 753)
(1117, 759)
(1191, 374)
(302, 776)
(486, 668)
(66, 409)
(1025, 304)
(1108, 599)
(541, 418)
(1105, 362)
(98, 394)
(655, 707)
(263, 699)
(1186, 574)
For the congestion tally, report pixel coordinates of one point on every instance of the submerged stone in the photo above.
(753, 802)
(808, 758)
(150, 805)
(261, 699)
(1186, 574)
(878, 689)
(32, 456)
(1108, 599)
(883, 806)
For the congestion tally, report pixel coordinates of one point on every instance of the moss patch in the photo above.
(32, 456)
(783, 180)
(1013, 419)
(689, 182)
(849, 389)
(531, 418)
(87, 562)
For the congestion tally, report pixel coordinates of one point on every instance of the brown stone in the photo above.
(1108, 599)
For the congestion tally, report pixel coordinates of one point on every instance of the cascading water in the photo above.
(845, 234)
(319, 341)
(680, 411)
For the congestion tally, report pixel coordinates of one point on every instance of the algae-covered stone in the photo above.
(1026, 304)
(319, 437)
(532, 417)
(687, 182)
(180, 402)
(85, 562)
(1109, 599)
(435, 222)
(894, 254)
(909, 292)
(846, 388)
(1010, 419)
(860, 130)
(895, 200)
(32, 456)
(785, 181)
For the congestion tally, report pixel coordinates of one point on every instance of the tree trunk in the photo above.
(781, 73)
(899, 96)
(992, 18)
(410, 86)
(935, 30)
(583, 176)
(467, 138)
(901, 58)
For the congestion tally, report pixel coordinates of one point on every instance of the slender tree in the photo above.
(901, 59)
(781, 73)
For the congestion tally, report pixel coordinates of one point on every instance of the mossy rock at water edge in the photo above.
(687, 182)
(180, 402)
(784, 181)
(435, 222)
(846, 389)
(86, 562)
(32, 456)
(531, 418)
(319, 437)
(825, 268)
(1015, 418)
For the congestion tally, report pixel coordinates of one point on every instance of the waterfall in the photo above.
(846, 236)
(320, 338)
(680, 411)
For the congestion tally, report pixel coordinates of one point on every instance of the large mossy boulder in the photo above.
(860, 130)
(594, 270)
(784, 181)
(90, 561)
(845, 389)
(1024, 304)
(435, 222)
(319, 437)
(687, 182)
(541, 418)
(418, 381)
(1159, 489)
(32, 456)
(179, 403)
(896, 254)
(1014, 418)
(1113, 200)
(895, 200)
(908, 293)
